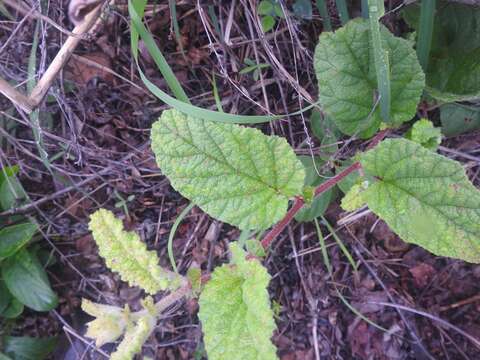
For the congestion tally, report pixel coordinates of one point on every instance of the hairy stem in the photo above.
(166, 302)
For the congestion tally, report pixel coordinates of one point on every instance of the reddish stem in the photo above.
(298, 204)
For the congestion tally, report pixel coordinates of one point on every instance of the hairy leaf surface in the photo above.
(347, 80)
(235, 174)
(126, 254)
(425, 198)
(454, 70)
(235, 311)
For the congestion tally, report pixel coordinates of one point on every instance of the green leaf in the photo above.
(28, 348)
(27, 281)
(8, 171)
(454, 69)
(325, 130)
(235, 174)
(14, 237)
(265, 7)
(4, 357)
(268, 22)
(320, 203)
(10, 192)
(457, 119)
(424, 133)
(126, 254)
(425, 198)
(5, 297)
(347, 80)
(235, 312)
(14, 309)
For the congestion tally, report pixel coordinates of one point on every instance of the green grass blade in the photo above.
(176, 29)
(177, 222)
(35, 115)
(340, 244)
(425, 32)
(376, 10)
(342, 11)
(323, 10)
(137, 7)
(323, 247)
(218, 101)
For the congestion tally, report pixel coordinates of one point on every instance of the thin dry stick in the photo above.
(16, 96)
(22, 8)
(40, 90)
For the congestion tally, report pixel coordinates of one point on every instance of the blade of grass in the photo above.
(136, 9)
(176, 29)
(218, 102)
(358, 313)
(376, 9)
(171, 235)
(34, 116)
(323, 10)
(323, 247)
(340, 244)
(425, 31)
(342, 11)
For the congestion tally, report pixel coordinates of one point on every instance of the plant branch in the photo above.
(299, 203)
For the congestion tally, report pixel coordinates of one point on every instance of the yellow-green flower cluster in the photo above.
(126, 254)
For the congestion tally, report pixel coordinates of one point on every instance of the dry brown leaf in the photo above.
(82, 69)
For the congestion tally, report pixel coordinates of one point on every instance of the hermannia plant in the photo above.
(369, 81)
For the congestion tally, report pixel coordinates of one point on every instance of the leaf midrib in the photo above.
(226, 164)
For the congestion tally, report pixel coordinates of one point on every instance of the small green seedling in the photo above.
(270, 11)
(254, 68)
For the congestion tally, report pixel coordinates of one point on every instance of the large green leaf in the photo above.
(454, 70)
(235, 174)
(457, 119)
(425, 198)
(14, 237)
(27, 281)
(235, 312)
(28, 348)
(5, 297)
(347, 80)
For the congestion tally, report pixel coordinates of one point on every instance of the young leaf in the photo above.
(235, 174)
(126, 254)
(424, 133)
(458, 119)
(28, 348)
(425, 198)
(235, 311)
(453, 70)
(110, 322)
(347, 79)
(26, 279)
(268, 22)
(134, 339)
(14, 237)
(319, 203)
